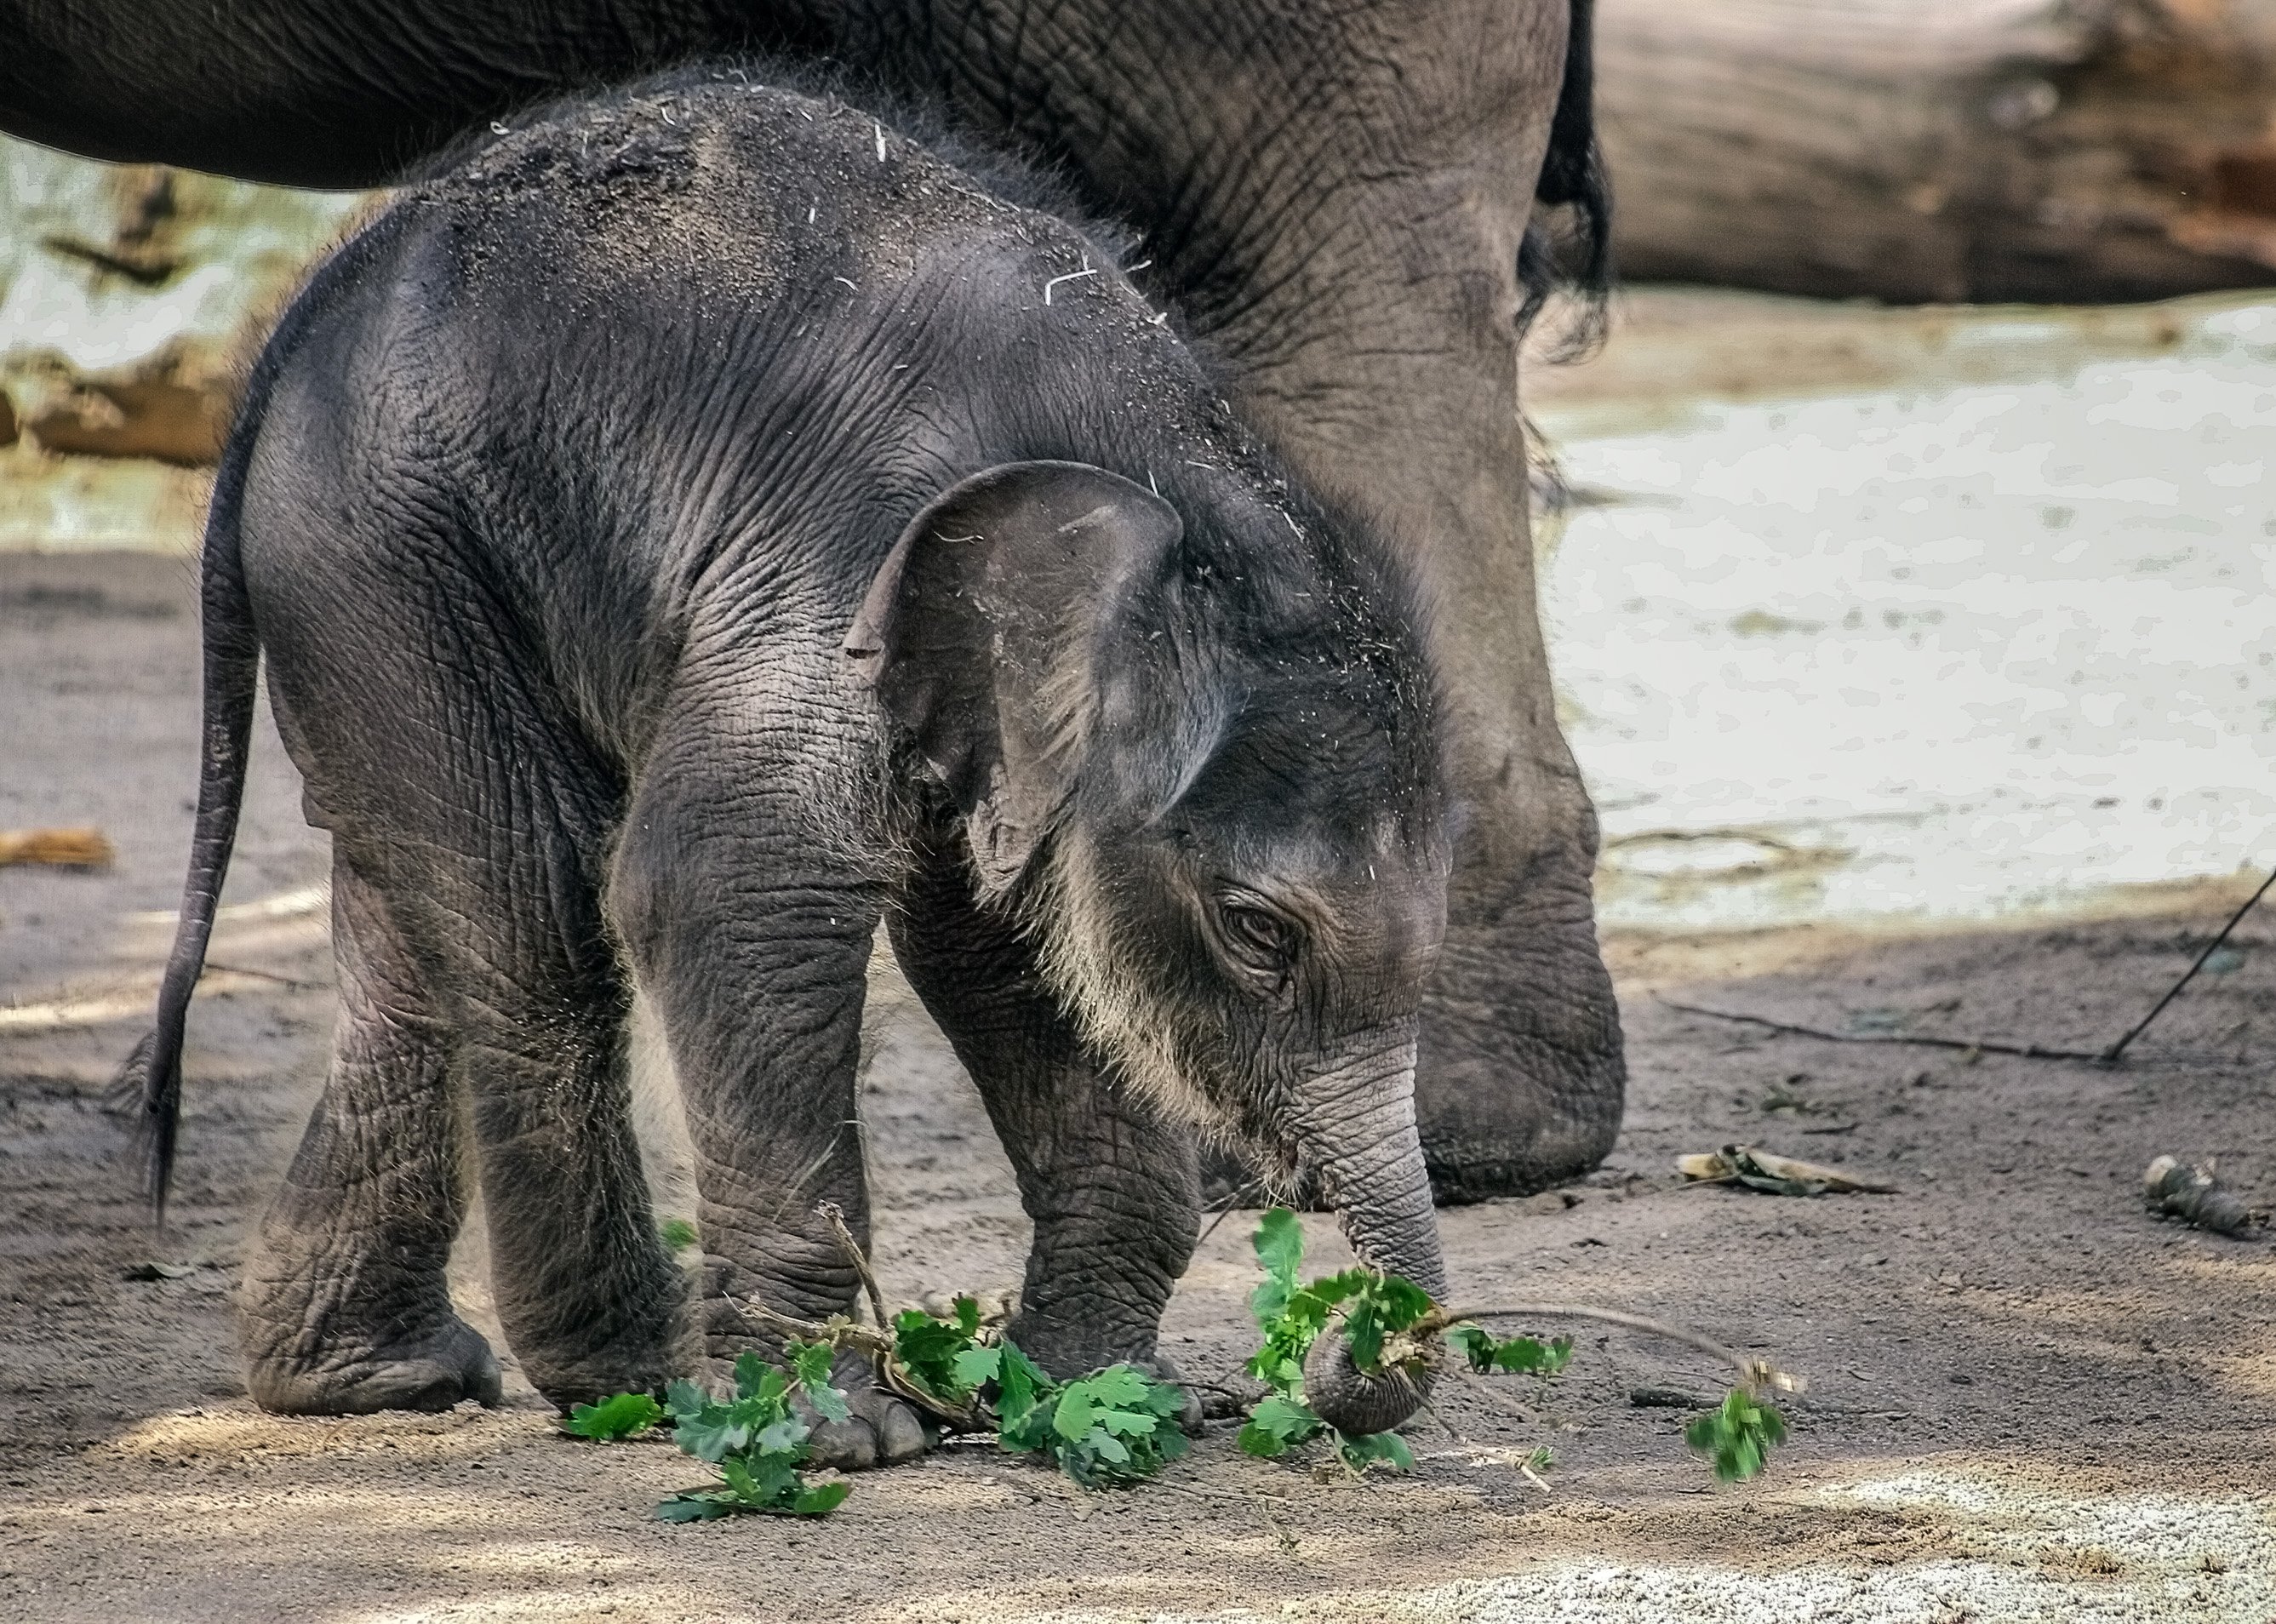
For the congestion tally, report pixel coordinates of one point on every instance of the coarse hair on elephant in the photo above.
(702, 524)
(1350, 205)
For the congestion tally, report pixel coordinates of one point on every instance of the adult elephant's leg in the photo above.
(752, 937)
(1335, 196)
(1110, 1190)
(345, 1307)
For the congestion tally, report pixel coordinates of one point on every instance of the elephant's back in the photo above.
(710, 193)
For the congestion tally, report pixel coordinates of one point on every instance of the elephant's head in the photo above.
(1200, 757)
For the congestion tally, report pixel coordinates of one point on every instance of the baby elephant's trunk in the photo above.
(1370, 1165)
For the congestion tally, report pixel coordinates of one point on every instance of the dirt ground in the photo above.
(2027, 1400)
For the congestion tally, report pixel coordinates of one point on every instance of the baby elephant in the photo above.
(700, 524)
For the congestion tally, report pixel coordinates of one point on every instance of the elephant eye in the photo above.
(1263, 938)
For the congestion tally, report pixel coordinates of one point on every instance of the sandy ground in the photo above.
(2028, 1401)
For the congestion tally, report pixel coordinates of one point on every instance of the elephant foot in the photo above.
(432, 1371)
(883, 1430)
(588, 1381)
(642, 1356)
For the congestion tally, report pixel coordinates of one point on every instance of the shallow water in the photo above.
(1952, 649)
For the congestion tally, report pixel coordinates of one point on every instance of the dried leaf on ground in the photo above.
(1779, 1175)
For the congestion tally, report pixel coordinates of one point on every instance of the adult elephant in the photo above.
(1336, 196)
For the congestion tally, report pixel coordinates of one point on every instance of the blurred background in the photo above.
(1907, 554)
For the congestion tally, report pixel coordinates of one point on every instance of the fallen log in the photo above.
(1943, 150)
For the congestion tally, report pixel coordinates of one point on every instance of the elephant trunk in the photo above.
(1361, 1145)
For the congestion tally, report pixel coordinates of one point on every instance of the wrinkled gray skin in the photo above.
(670, 615)
(1332, 195)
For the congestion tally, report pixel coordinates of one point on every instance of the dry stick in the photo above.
(842, 1332)
(834, 1215)
(1973, 1045)
(1757, 1372)
(2029, 1052)
(1234, 1204)
(2110, 1055)
(1486, 1389)
(214, 966)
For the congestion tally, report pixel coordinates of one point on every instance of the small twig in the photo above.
(1234, 1203)
(1488, 1388)
(1536, 1478)
(1757, 1372)
(2110, 1055)
(840, 1331)
(1445, 1425)
(285, 982)
(1972, 1045)
(834, 1215)
(1984, 1045)
(1073, 276)
(1218, 1494)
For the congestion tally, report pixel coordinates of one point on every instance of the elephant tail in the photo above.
(1579, 258)
(149, 1086)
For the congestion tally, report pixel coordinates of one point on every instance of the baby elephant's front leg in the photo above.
(1112, 1189)
(758, 969)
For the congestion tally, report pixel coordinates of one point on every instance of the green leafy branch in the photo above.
(1110, 1429)
(1389, 1323)
(756, 1439)
(1736, 1436)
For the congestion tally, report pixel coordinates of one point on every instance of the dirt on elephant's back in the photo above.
(2027, 1400)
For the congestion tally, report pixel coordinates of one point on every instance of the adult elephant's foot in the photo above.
(430, 1370)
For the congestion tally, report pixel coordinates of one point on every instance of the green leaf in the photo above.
(678, 1233)
(756, 1379)
(1373, 1449)
(1737, 1436)
(820, 1500)
(626, 1414)
(928, 1347)
(975, 1367)
(1106, 1446)
(811, 1362)
(1274, 1425)
(697, 1505)
(1520, 1355)
(1279, 1243)
(712, 1433)
(745, 1487)
(1119, 1386)
(968, 1318)
(1129, 1423)
(782, 1436)
(1019, 1381)
(1073, 1418)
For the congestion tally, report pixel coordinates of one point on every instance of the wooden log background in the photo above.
(1943, 150)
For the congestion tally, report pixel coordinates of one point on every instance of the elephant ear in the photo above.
(981, 632)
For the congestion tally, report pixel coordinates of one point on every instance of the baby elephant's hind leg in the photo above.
(345, 1306)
